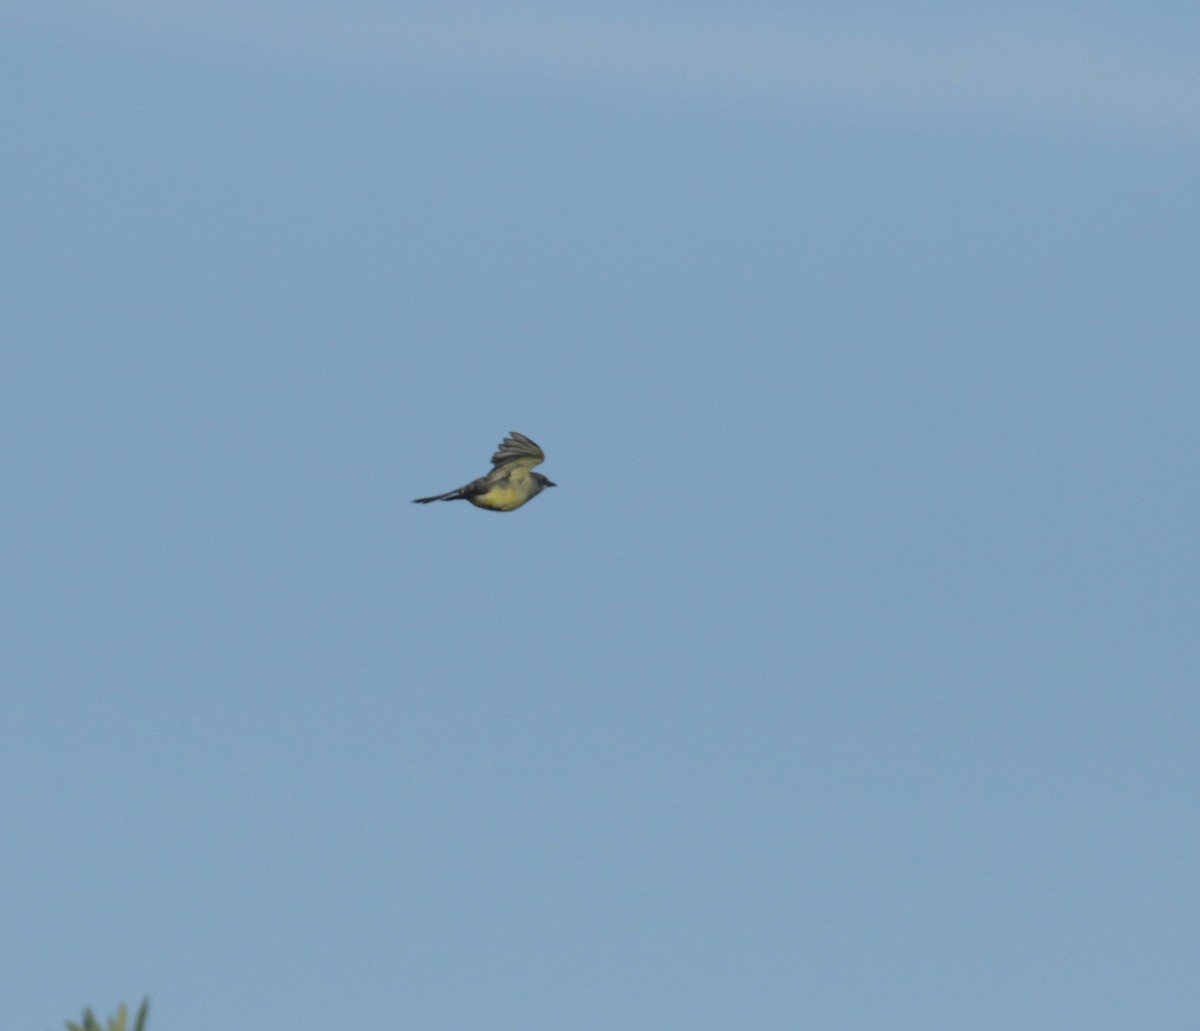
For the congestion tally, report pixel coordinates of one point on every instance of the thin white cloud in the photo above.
(1047, 76)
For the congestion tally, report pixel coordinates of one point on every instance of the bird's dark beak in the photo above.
(549, 483)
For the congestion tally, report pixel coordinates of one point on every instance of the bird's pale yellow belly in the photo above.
(503, 497)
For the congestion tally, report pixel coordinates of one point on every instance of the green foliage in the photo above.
(117, 1023)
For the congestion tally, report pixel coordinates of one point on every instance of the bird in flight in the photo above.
(511, 482)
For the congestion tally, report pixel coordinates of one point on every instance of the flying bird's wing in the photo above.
(517, 451)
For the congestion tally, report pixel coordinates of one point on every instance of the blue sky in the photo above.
(847, 680)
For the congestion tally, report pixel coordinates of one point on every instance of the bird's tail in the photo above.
(454, 495)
